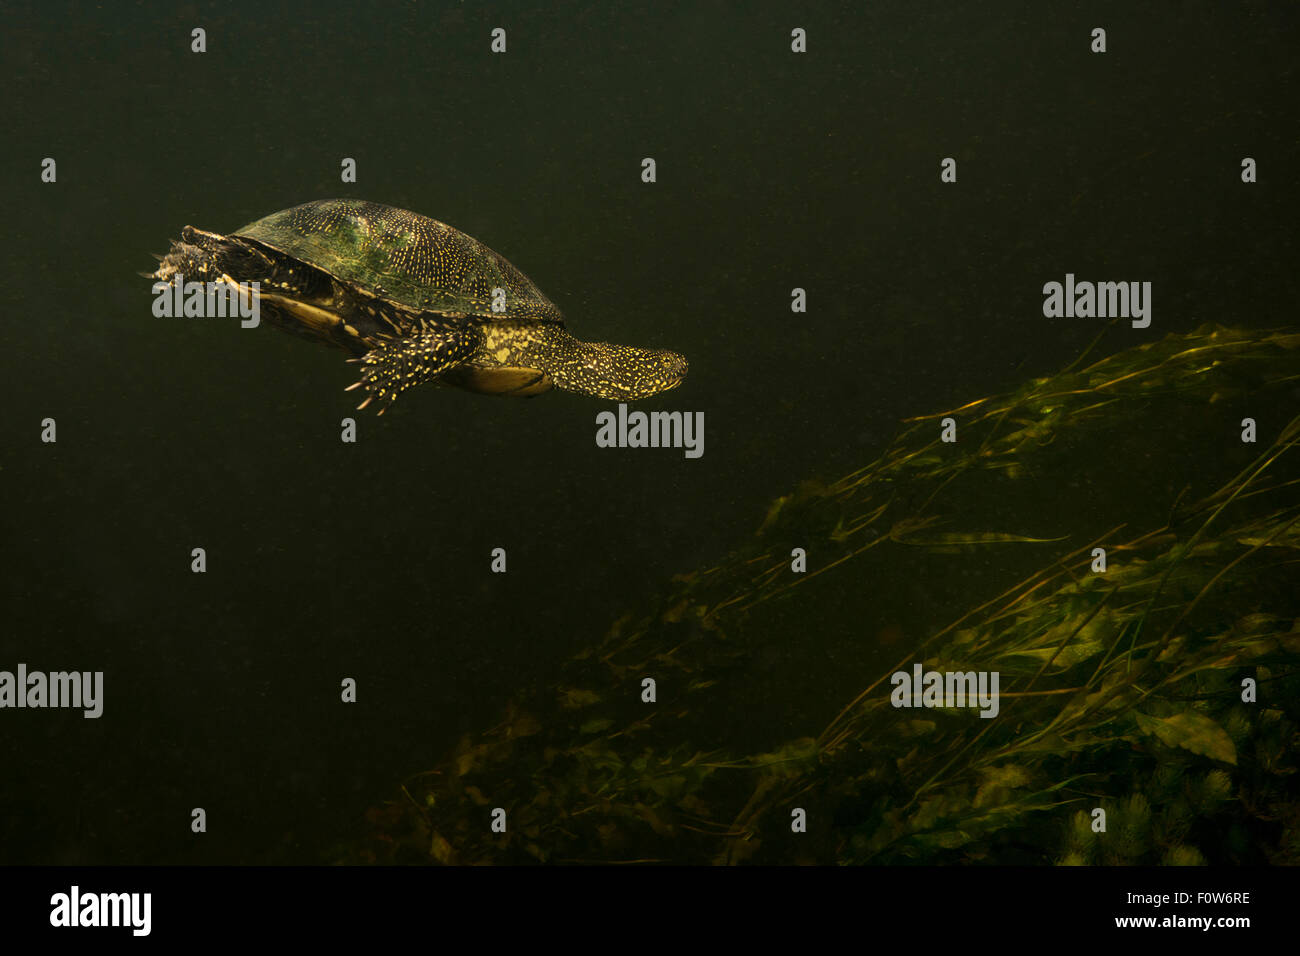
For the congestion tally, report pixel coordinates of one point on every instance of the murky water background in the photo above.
(370, 561)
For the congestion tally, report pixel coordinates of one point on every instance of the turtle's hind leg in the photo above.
(396, 364)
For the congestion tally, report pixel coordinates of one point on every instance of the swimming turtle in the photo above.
(414, 301)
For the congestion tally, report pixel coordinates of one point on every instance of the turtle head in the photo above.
(204, 256)
(620, 372)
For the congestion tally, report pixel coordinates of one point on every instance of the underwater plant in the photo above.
(1146, 639)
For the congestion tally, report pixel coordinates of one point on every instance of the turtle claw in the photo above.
(393, 366)
(384, 399)
(383, 402)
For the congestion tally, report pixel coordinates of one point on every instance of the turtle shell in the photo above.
(403, 257)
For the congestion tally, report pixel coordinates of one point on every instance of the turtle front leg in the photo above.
(396, 364)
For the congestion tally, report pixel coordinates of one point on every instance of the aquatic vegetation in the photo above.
(1125, 692)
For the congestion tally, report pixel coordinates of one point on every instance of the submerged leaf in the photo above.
(1067, 656)
(959, 538)
(1191, 731)
(574, 698)
(996, 783)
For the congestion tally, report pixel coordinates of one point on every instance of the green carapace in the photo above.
(414, 301)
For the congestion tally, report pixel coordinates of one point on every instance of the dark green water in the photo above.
(775, 171)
